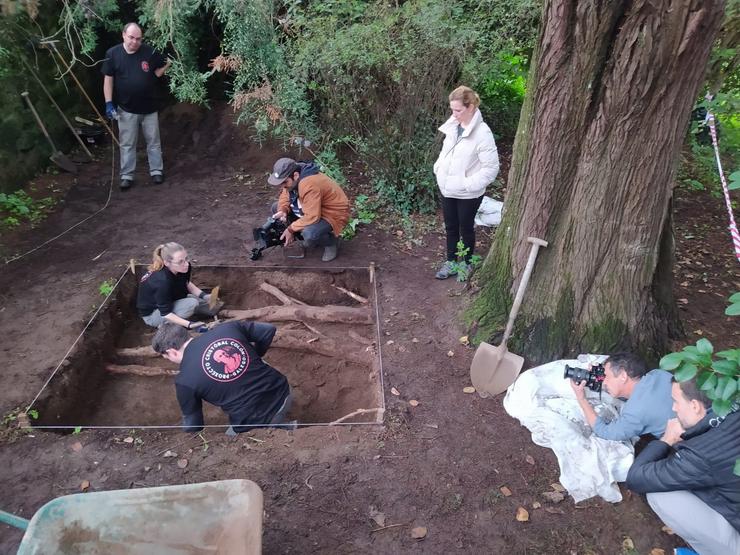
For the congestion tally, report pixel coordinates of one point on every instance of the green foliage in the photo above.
(77, 430)
(734, 308)
(716, 374)
(106, 288)
(19, 206)
(734, 181)
(364, 213)
(502, 91)
(464, 269)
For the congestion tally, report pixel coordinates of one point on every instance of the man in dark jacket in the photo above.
(224, 367)
(688, 473)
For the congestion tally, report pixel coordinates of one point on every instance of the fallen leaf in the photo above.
(557, 487)
(128, 439)
(506, 491)
(414, 403)
(399, 233)
(395, 391)
(553, 496)
(536, 505)
(414, 340)
(377, 516)
(418, 533)
(85, 485)
(657, 551)
(554, 511)
(468, 389)
(683, 301)
(698, 332)
(132, 266)
(522, 515)
(628, 544)
(529, 459)
(464, 340)
(390, 342)
(668, 530)
(77, 447)
(147, 468)
(169, 453)
(450, 353)
(182, 463)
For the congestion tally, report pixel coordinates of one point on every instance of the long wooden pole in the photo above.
(54, 102)
(52, 45)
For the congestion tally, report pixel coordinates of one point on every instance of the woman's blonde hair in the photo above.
(466, 95)
(162, 253)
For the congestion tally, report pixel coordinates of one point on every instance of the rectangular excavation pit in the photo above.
(333, 368)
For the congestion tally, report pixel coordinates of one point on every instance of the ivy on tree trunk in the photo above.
(611, 87)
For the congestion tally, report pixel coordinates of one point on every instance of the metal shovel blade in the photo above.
(494, 369)
(63, 162)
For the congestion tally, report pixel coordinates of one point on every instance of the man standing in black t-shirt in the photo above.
(224, 367)
(131, 70)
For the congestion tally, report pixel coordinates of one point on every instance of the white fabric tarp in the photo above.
(543, 401)
(489, 212)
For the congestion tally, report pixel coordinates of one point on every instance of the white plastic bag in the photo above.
(489, 212)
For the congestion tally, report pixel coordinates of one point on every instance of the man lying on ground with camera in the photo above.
(312, 204)
(648, 396)
(688, 474)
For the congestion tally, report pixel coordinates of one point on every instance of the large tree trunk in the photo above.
(610, 91)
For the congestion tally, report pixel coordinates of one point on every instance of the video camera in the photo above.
(594, 377)
(268, 235)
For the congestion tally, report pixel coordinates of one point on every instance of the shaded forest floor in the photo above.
(439, 465)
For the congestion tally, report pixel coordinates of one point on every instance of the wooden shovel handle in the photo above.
(536, 244)
(24, 94)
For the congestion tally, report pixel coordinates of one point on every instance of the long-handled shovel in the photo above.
(61, 113)
(494, 369)
(57, 157)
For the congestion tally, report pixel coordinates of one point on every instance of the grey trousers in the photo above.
(319, 234)
(184, 308)
(703, 528)
(128, 136)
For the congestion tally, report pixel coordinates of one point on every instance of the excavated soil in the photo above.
(438, 463)
(325, 386)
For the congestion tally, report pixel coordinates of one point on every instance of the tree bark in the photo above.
(610, 91)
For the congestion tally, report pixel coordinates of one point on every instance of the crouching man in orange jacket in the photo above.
(313, 204)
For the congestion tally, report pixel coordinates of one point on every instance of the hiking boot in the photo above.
(158, 178)
(330, 252)
(446, 271)
(125, 184)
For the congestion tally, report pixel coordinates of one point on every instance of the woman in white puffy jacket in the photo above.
(467, 164)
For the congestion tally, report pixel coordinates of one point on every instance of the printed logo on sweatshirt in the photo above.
(145, 66)
(225, 360)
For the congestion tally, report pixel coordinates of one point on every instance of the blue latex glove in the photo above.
(110, 110)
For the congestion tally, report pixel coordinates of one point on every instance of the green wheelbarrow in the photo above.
(223, 517)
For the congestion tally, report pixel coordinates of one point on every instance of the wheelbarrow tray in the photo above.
(222, 517)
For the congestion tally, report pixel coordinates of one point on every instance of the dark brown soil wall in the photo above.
(325, 388)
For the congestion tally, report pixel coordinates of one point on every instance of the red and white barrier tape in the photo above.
(733, 226)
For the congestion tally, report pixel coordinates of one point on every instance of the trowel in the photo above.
(494, 369)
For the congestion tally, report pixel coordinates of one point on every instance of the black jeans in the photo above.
(459, 215)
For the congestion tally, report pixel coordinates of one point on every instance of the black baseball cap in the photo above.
(282, 170)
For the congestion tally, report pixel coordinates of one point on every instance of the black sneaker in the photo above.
(158, 179)
(125, 184)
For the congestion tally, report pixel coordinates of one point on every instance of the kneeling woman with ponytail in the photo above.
(166, 292)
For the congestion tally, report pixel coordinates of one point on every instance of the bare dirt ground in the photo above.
(439, 465)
